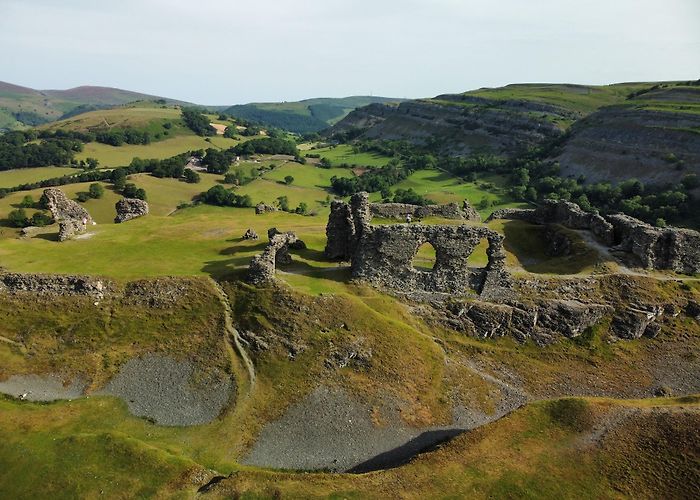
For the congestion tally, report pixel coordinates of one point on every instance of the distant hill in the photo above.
(22, 107)
(311, 115)
(650, 131)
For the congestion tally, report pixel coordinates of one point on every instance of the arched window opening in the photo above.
(425, 259)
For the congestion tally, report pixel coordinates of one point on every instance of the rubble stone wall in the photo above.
(262, 267)
(668, 248)
(383, 255)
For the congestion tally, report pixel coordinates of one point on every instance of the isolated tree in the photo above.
(288, 179)
(92, 163)
(96, 191)
(27, 202)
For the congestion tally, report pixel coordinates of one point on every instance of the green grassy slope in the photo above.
(21, 107)
(311, 115)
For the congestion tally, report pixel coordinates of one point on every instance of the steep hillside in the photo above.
(311, 115)
(654, 137)
(501, 121)
(22, 107)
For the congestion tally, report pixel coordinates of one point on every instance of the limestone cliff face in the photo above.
(656, 140)
(460, 124)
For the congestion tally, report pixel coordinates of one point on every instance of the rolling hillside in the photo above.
(306, 116)
(22, 107)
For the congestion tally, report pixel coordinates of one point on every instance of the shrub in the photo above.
(18, 218)
(96, 191)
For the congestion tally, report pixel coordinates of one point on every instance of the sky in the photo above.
(236, 51)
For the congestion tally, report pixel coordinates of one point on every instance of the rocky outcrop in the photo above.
(668, 248)
(130, 208)
(71, 217)
(383, 255)
(262, 208)
(262, 267)
(542, 322)
(401, 210)
(54, 285)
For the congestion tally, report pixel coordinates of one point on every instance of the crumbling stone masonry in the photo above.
(560, 212)
(668, 248)
(130, 208)
(72, 218)
(657, 248)
(383, 255)
(262, 267)
(401, 210)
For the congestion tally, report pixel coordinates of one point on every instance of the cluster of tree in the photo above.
(377, 179)
(222, 197)
(16, 150)
(197, 122)
(170, 167)
(217, 161)
(121, 136)
(533, 178)
(283, 204)
(19, 218)
(266, 145)
(239, 178)
(406, 196)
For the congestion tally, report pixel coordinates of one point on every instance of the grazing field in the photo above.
(583, 99)
(138, 115)
(111, 156)
(206, 239)
(15, 177)
(441, 187)
(343, 154)
(307, 175)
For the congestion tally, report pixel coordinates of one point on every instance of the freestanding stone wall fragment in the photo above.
(262, 267)
(130, 208)
(71, 217)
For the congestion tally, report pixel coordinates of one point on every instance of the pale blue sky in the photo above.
(235, 51)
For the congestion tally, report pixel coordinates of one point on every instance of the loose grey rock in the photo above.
(164, 390)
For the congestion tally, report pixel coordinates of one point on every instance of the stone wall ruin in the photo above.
(670, 248)
(383, 255)
(262, 267)
(401, 210)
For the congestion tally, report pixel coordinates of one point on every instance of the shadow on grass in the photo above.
(528, 243)
(47, 236)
